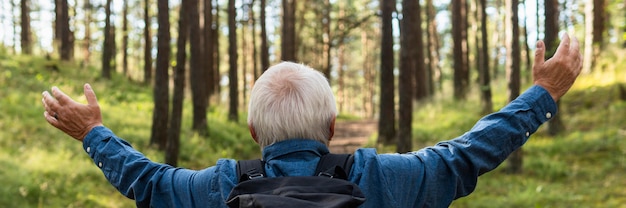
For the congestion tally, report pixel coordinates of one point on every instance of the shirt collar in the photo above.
(294, 146)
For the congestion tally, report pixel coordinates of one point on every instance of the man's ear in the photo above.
(332, 128)
(253, 133)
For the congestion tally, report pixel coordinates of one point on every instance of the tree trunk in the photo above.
(107, 48)
(459, 30)
(215, 89)
(422, 76)
(208, 48)
(513, 70)
(232, 59)
(555, 125)
(26, 42)
(173, 134)
(386, 122)
(326, 37)
(409, 36)
(288, 44)
(265, 57)
(197, 71)
(88, 9)
(147, 50)
(160, 115)
(63, 26)
(483, 60)
(125, 39)
(434, 70)
(252, 25)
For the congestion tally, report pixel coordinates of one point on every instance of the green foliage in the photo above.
(42, 167)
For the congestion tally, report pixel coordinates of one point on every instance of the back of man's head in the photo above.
(291, 101)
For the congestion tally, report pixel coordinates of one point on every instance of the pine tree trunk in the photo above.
(26, 42)
(173, 134)
(107, 48)
(513, 71)
(197, 70)
(160, 115)
(386, 122)
(265, 57)
(288, 44)
(232, 59)
(147, 53)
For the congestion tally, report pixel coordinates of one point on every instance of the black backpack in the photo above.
(328, 188)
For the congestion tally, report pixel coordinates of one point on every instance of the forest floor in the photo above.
(351, 135)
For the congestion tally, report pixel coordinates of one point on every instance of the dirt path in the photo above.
(350, 135)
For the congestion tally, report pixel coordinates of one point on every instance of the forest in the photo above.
(173, 78)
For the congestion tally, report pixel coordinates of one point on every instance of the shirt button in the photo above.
(100, 164)
(548, 115)
(527, 134)
(88, 149)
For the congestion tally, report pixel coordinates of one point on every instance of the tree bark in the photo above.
(107, 48)
(147, 50)
(459, 31)
(173, 134)
(265, 57)
(125, 38)
(483, 60)
(409, 36)
(88, 9)
(208, 49)
(232, 59)
(288, 45)
(26, 42)
(433, 47)
(513, 71)
(160, 115)
(64, 32)
(197, 71)
(386, 122)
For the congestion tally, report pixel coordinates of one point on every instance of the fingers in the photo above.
(90, 95)
(60, 96)
(564, 47)
(574, 47)
(540, 53)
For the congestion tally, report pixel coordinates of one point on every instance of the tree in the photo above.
(265, 57)
(483, 60)
(386, 121)
(433, 47)
(63, 32)
(160, 115)
(288, 44)
(125, 38)
(232, 59)
(208, 49)
(459, 36)
(409, 36)
(422, 76)
(147, 53)
(595, 18)
(108, 43)
(555, 125)
(198, 72)
(88, 8)
(26, 42)
(513, 61)
(173, 134)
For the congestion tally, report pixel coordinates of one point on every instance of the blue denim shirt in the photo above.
(430, 177)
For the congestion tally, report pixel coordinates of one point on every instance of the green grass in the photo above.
(42, 167)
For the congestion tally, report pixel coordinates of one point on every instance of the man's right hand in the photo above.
(558, 73)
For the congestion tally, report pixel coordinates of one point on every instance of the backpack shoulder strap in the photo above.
(250, 169)
(335, 165)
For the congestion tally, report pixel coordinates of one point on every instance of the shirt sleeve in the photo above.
(450, 169)
(148, 183)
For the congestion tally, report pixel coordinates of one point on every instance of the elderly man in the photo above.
(292, 115)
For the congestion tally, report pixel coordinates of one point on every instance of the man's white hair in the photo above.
(291, 101)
